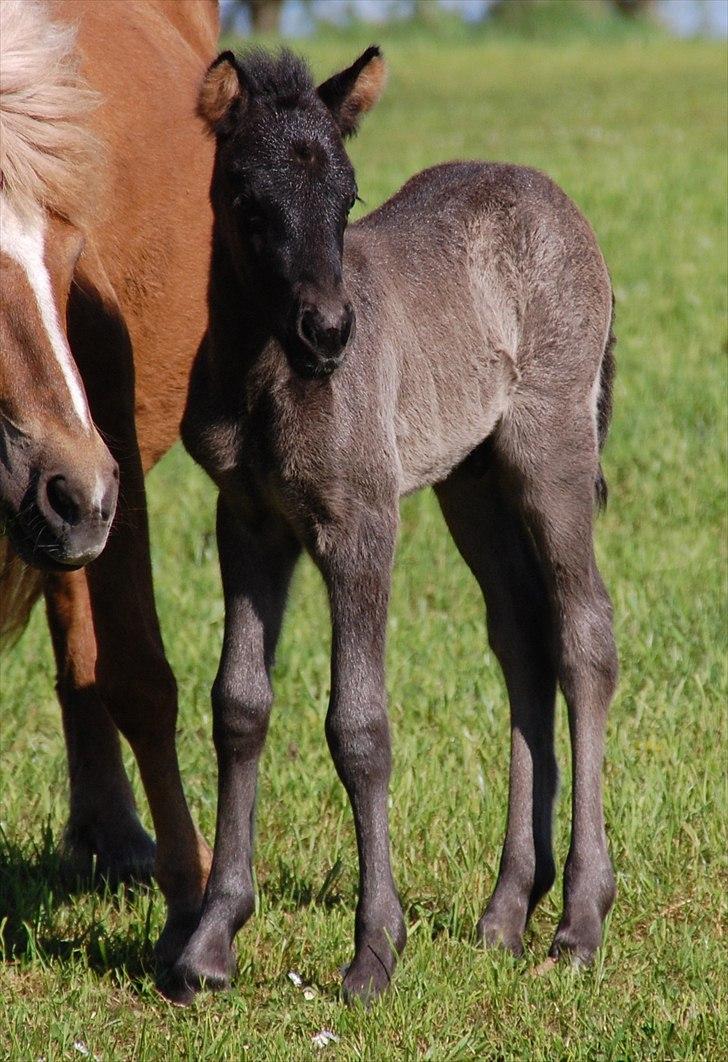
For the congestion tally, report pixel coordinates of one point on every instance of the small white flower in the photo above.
(82, 1049)
(324, 1038)
(295, 978)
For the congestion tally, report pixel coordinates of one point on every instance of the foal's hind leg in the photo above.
(493, 540)
(554, 461)
(103, 826)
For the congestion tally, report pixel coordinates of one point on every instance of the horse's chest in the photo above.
(289, 455)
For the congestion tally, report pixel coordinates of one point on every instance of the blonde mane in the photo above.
(48, 156)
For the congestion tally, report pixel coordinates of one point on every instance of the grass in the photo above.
(635, 132)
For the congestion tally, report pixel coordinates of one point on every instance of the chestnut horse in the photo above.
(104, 256)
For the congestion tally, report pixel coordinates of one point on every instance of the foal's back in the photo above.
(479, 290)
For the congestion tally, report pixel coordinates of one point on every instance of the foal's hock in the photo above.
(459, 336)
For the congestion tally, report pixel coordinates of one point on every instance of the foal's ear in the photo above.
(221, 88)
(355, 90)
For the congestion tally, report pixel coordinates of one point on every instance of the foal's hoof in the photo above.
(367, 978)
(201, 966)
(115, 852)
(495, 932)
(576, 943)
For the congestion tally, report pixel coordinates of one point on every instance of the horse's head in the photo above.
(58, 482)
(283, 187)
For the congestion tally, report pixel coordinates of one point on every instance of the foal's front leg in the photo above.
(358, 573)
(256, 563)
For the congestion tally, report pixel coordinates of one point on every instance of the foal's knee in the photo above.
(358, 737)
(240, 714)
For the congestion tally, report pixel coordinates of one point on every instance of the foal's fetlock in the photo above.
(578, 939)
(372, 967)
(514, 899)
(580, 930)
(499, 928)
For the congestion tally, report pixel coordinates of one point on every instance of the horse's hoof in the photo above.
(577, 944)
(366, 979)
(176, 992)
(174, 937)
(497, 933)
(115, 852)
(207, 965)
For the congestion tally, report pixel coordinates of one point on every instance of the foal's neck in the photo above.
(241, 309)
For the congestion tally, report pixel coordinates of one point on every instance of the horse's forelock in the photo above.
(49, 158)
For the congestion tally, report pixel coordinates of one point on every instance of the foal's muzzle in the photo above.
(324, 333)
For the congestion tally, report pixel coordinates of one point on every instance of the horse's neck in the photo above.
(238, 328)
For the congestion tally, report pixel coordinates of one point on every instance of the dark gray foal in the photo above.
(458, 336)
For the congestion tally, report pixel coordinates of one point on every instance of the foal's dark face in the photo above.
(286, 186)
(283, 188)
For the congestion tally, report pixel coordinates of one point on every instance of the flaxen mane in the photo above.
(48, 161)
(48, 155)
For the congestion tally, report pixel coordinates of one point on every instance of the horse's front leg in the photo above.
(358, 574)
(103, 825)
(133, 678)
(256, 563)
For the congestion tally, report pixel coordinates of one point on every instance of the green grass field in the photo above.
(635, 132)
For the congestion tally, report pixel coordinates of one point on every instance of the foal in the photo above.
(458, 336)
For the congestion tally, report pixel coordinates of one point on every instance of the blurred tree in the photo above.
(263, 15)
(424, 11)
(631, 8)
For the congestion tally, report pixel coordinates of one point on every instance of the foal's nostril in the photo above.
(325, 335)
(64, 502)
(347, 325)
(307, 327)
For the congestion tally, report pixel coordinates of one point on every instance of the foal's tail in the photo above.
(604, 405)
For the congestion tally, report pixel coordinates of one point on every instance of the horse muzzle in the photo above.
(63, 522)
(323, 333)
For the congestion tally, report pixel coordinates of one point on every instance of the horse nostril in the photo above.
(108, 502)
(346, 328)
(62, 500)
(307, 327)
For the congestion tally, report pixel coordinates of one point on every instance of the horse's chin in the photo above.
(47, 555)
(310, 366)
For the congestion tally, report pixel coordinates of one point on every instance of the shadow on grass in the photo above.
(36, 884)
(286, 889)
